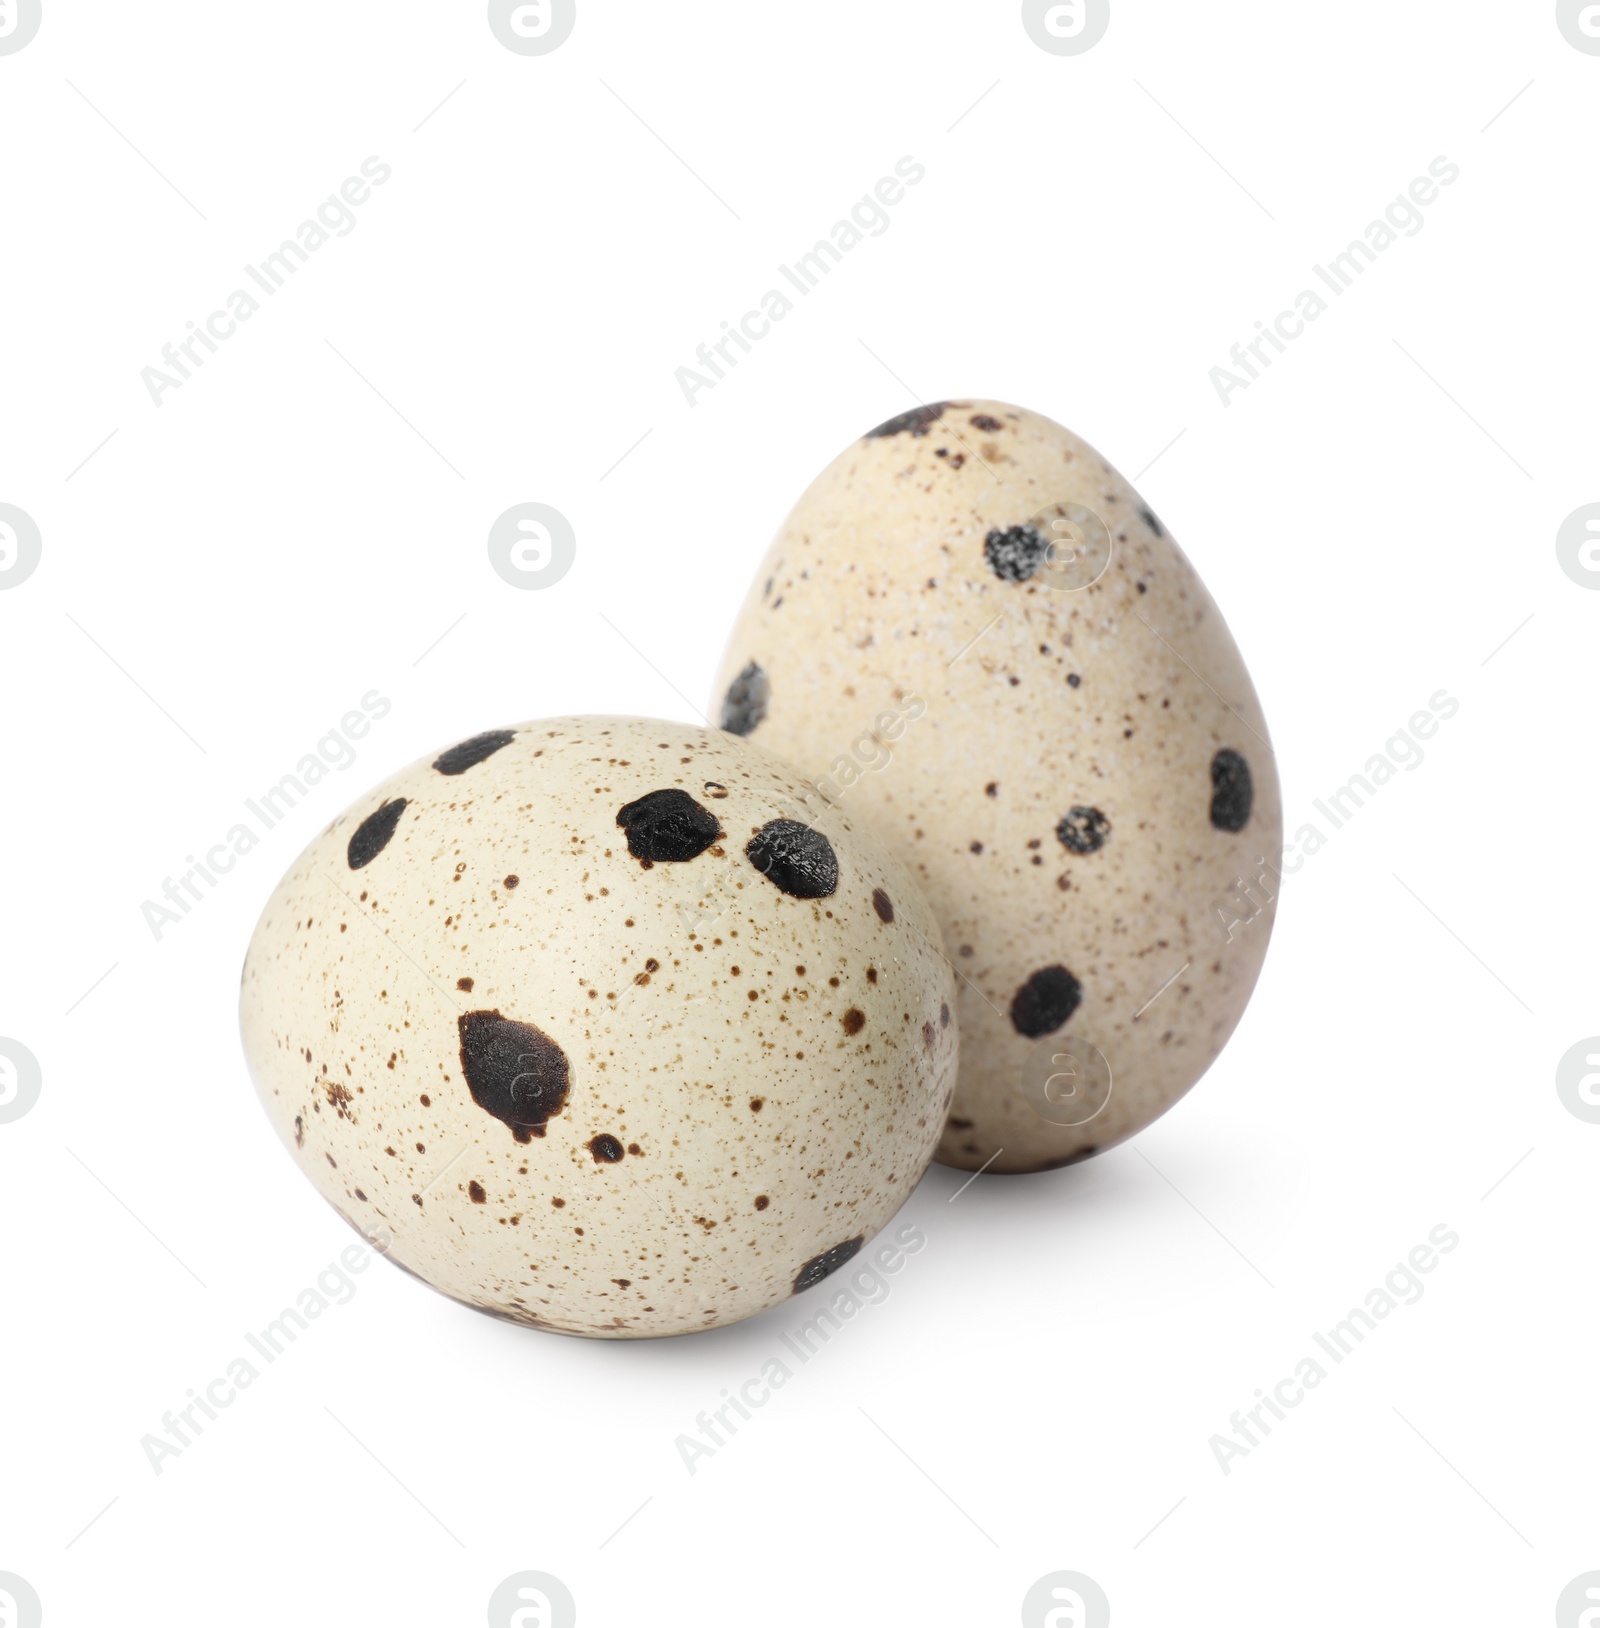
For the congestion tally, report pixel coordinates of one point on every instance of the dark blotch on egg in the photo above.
(1045, 1002)
(668, 826)
(795, 858)
(882, 903)
(745, 704)
(1232, 791)
(513, 1070)
(1083, 830)
(606, 1149)
(916, 422)
(1151, 521)
(461, 758)
(372, 836)
(1016, 553)
(826, 1264)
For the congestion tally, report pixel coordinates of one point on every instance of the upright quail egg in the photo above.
(979, 640)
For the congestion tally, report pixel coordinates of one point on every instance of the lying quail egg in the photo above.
(981, 642)
(602, 1027)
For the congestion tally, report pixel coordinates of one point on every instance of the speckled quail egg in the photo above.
(979, 641)
(604, 1025)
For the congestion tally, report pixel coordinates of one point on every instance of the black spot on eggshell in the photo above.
(795, 859)
(983, 421)
(855, 1020)
(606, 1149)
(882, 903)
(745, 704)
(1016, 553)
(1151, 521)
(1083, 830)
(513, 1070)
(1045, 1002)
(669, 826)
(372, 836)
(916, 422)
(461, 758)
(1232, 791)
(826, 1264)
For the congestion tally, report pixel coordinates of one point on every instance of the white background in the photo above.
(232, 570)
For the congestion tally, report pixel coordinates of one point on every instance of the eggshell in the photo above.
(599, 1031)
(980, 641)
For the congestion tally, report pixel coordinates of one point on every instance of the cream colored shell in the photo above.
(965, 715)
(771, 1071)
